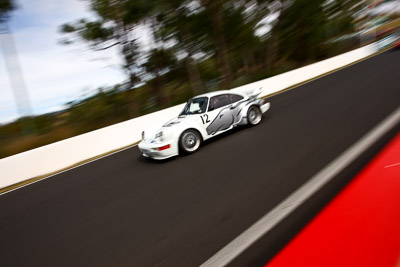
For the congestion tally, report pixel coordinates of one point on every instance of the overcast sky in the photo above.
(54, 74)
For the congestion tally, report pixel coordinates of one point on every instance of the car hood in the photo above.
(178, 120)
(167, 128)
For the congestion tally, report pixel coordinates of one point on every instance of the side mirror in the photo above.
(210, 108)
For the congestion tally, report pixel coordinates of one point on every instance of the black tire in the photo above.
(254, 115)
(190, 141)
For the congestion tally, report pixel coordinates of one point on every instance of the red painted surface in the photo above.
(360, 227)
(164, 147)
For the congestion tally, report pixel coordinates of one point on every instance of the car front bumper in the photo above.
(158, 150)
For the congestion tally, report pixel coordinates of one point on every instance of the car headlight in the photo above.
(142, 135)
(159, 137)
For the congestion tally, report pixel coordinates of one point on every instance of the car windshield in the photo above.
(196, 105)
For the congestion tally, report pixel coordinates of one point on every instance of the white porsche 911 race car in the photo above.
(203, 117)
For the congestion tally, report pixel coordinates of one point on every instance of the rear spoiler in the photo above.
(255, 93)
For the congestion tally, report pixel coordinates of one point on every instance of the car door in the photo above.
(219, 114)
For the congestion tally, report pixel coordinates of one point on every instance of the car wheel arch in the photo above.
(183, 131)
(247, 107)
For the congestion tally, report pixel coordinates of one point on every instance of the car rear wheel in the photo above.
(254, 115)
(189, 141)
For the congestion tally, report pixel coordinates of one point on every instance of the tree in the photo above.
(341, 14)
(6, 6)
(301, 30)
(220, 34)
(114, 27)
(159, 62)
(187, 29)
(243, 41)
(214, 9)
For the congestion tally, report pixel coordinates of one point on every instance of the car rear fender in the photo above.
(255, 102)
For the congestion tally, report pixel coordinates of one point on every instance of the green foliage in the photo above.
(224, 30)
(301, 31)
(6, 6)
(159, 61)
(67, 28)
(90, 31)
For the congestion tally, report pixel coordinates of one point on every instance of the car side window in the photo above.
(236, 98)
(219, 101)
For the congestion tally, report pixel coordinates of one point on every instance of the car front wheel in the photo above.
(254, 115)
(190, 141)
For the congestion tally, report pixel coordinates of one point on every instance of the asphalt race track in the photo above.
(125, 210)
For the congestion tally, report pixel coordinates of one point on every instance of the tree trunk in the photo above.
(156, 92)
(272, 52)
(248, 63)
(214, 9)
(166, 95)
(194, 76)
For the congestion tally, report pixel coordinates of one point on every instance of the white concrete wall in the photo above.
(59, 155)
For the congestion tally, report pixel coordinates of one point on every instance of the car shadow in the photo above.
(150, 161)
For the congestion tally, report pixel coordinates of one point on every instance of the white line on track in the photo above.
(388, 166)
(293, 201)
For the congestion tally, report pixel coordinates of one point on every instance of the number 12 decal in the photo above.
(205, 119)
